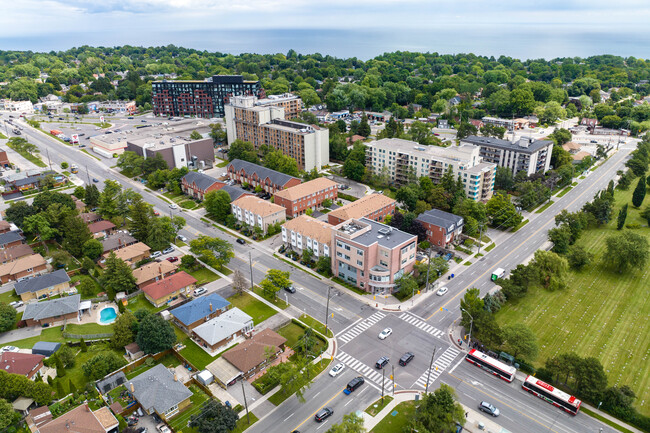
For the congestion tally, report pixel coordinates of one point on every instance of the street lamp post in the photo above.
(471, 322)
(426, 388)
(327, 311)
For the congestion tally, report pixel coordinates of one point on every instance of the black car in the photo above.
(381, 362)
(355, 383)
(290, 289)
(406, 358)
(81, 135)
(324, 413)
(241, 241)
(95, 180)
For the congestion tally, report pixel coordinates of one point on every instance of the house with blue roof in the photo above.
(198, 311)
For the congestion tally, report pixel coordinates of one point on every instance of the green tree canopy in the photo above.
(155, 334)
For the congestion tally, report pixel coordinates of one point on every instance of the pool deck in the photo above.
(92, 316)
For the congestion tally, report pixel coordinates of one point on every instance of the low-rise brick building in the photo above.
(255, 175)
(27, 266)
(373, 206)
(47, 285)
(305, 232)
(256, 212)
(198, 311)
(309, 195)
(152, 272)
(52, 311)
(224, 330)
(197, 185)
(168, 289)
(442, 227)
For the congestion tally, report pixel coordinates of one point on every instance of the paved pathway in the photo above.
(20, 334)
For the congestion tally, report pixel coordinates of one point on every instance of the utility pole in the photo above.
(248, 417)
(426, 389)
(426, 285)
(88, 174)
(480, 239)
(383, 374)
(471, 323)
(49, 161)
(392, 376)
(327, 311)
(250, 261)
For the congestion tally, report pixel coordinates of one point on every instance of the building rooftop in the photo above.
(310, 227)
(235, 192)
(100, 226)
(307, 188)
(52, 308)
(251, 353)
(289, 126)
(524, 145)
(368, 232)
(89, 217)
(258, 206)
(200, 180)
(223, 326)
(152, 270)
(12, 236)
(199, 308)
(275, 177)
(157, 390)
(22, 264)
(441, 219)
(362, 207)
(130, 251)
(19, 363)
(42, 282)
(81, 420)
(15, 252)
(117, 240)
(168, 285)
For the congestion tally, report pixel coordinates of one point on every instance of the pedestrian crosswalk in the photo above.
(360, 327)
(419, 323)
(368, 373)
(439, 365)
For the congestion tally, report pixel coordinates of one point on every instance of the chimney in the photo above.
(175, 377)
(119, 242)
(210, 306)
(132, 388)
(87, 408)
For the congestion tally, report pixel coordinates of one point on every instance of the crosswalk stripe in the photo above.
(420, 324)
(438, 367)
(361, 327)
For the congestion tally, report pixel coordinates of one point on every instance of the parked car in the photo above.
(488, 408)
(337, 369)
(9, 349)
(199, 291)
(441, 291)
(406, 358)
(162, 428)
(381, 362)
(168, 250)
(155, 254)
(182, 238)
(291, 289)
(156, 213)
(324, 413)
(172, 259)
(95, 180)
(385, 333)
(16, 304)
(241, 241)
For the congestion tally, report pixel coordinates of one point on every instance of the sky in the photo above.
(25, 24)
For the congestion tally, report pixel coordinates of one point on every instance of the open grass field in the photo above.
(258, 310)
(390, 423)
(602, 313)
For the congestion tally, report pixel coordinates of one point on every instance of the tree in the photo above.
(407, 196)
(465, 130)
(18, 211)
(7, 414)
(71, 387)
(217, 134)
(101, 364)
(275, 280)
(438, 412)
(501, 212)
(92, 249)
(108, 199)
(196, 135)
(161, 233)
(87, 287)
(503, 179)
(278, 161)
(92, 195)
(627, 250)
(75, 234)
(600, 207)
(364, 127)
(239, 283)
(83, 345)
(353, 170)
(214, 417)
(213, 251)
(243, 150)
(217, 204)
(7, 317)
(324, 265)
(578, 257)
(352, 423)
(294, 376)
(406, 285)
(531, 194)
(155, 334)
(123, 330)
(639, 193)
(188, 261)
(552, 269)
(66, 355)
(39, 225)
(622, 216)
(131, 163)
(590, 378)
(561, 238)
(520, 340)
(140, 218)
(117, 276)
(645, 213)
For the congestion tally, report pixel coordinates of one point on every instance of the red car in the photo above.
(172, 259)
(156, 213)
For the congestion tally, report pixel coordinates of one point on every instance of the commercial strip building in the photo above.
(307, 232)
(117, 106)
(308, 195)
(255, 175)
(373, 206)
(371, 255)
(405, 159)
(442, 227)
(267, 125)
(200, 98)
(256, 212)
(16, 106)
(527, 154)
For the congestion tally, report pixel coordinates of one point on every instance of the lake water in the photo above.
(519, 42)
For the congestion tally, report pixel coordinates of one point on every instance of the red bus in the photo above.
(552, 395)
(491, 365)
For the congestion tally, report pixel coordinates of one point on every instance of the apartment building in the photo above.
(256, 212)
(509, 124)
(267, 125)
(307, 232)
(309, 195)
(197, 185)
(197, 98)
(404, 159)
(371, 255)
(16, 106)
(442, 227)
(291, 103)
(255, 175)
(527, 155)
(373, 206)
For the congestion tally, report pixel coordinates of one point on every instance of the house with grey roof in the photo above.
(223, 331)
(198, 311)
(159, 391)
(197, 185)
(235, 192)
(11, 239)
(56, 310)
(116, 241)
(527, 154)
(442, 227)
(43, 286)
(269, 180)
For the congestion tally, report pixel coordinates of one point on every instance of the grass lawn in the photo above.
(292, 333)
(203, 276)
(520, 225)
(279, 396)
(188, 204)
(397, 423)
(546, 206)
(313, 323)
(242, 423)
(170, 195)
(168, 360)
(378, 405)
(258, 310)
(180, 421)
(48, 334)
(602, 313)
(9, 296)
(564, 191)
(277, 301)
(490, 247)
(195, 355)
(223, 164)
(30, 157)
(88, 328)
(80, 277)
(140, 302)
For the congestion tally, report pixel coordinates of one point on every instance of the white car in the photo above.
(9, 349)
(182, 238)
(441, 291)
(200, 291)
(385, 333)
(173, 206)
(16, 304)
(338, 368)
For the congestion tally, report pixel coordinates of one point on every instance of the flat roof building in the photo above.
(527, 154)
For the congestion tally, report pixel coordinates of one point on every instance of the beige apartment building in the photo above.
(402, 159)
(305, 232)
(256, 212)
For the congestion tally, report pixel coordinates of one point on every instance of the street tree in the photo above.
(140, 218)
(438, 412)
(117, 276)
(520, 340)
(626, 251)
(600, 207)
(75, 234)
(239, 283)
(215, 252)
(406, 285)
(7, 317)
(639, 192)
(214, 417)
(155, 334)
(501, 212)
(161, 233)
(123, 330)
(561, 238)
(217, 204)
(352, 423)
(275, 280)
(108, 199)
(295, 376)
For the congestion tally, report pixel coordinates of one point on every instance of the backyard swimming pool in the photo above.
(107, 315)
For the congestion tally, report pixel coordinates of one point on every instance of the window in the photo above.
(360, 252)
(359, 262)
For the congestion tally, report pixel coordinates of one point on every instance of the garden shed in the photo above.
(45, 348)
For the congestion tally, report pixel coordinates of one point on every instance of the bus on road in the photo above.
(552, 395)
(491, 365)
(498, 273)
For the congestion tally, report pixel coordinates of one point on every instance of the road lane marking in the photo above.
(421, 324)
(314, 413)
(439, 366)
(289, 416)
(355, 322)
(457, 364)
(512, 251)
(361, 327)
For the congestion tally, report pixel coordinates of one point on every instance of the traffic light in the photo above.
(391, 377)
(418, 292)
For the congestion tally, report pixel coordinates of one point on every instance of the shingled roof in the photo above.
(199, 308)
(202, 181)
(156, 389)
(275, 177)
(52, 308)
(251, 353)
(42, 282)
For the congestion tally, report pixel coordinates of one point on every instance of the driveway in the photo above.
(356, 189)
(19, 334)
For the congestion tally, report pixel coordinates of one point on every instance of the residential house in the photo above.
(52, 311)
(27, 266)
(224, 330)
(353, 139)
(14, 253)
(116, 241)
(152, 272)
(270, 181)
(235, 192)
(82, 419)
(169, 288)
(4, 159)
(252, 356)
(442, 227)
(527, 155)
(78, 204)
(307, 232)
(131, 254)
(198, 311)
(478, 124)
(372, 206)
(11, 239)
(159, 391)
(38, 417)
(371, 255)
(26, 183)
(44, 286)
(257, 212)
(572, 147)
(309, 195)
(578, 157)
(197, 185)
(24, 364)
(5, 226)
(101, 229)
(90, 217)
